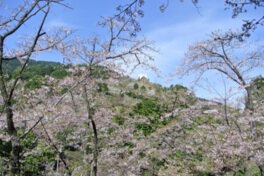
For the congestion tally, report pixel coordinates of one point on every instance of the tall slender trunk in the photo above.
(16, 149)
(225, 110)
(95, 134)
(95, 152)
(249, 103)
(250, 109)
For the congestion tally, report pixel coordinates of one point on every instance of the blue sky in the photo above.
(173, 31)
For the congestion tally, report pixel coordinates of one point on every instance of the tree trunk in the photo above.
(16, 148)
(95, 152)
(95, 134)
(249, 103)
(250, 109)
(15, 156)
(261, 168)
(225, 110)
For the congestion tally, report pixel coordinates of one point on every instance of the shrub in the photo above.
(35, 163)
(135, 86)
(100, 72)
(134, 95)
(102, 87)
(64, 90)
(35, 83)
(59, 73)
(143, 88)
(178, 87)
(118, 120)
(110, 131)
(148, 107)
(36, 157)
(128, 144)
(5, 148)
(63, 135)
(147, 129)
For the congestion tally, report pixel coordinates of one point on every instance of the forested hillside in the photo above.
(143, 128)
(92, 116)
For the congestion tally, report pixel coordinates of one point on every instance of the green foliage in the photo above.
(181, 105)
(147, 129)
(118, 120)
(36, 154)
(28, 141)
(2, 108)
(5, 148)
(88, 149)
(155, 165)
(142, 154)
(239, 173)
(143, 88)
(204, 173)
(2, 167)
(206, 119)
(34, 163)
(136, 86)
(102, 87)
(35, 82)
(257, 89)
(259, 83)
(40, 68)
(178, 87)
(59, 73)
(187, 157)
(63, 90)
(63, 135)
(10, 66)
(110, 131)
(149, 107)
(100, 72)
(134, 95)
(128, 144)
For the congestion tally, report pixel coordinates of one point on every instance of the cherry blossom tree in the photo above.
(117, 52)
(40, 41)
(250, 24)
(233, 59)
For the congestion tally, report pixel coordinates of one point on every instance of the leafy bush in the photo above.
(100, 72)
(35, 163)
(206, 119)
(259, 83)
(37, 155)
(5, 148)
(147, 129)
(135, 86)
(110, 131)
(118, 120)
(128, 144)
(149, 107)
(143, 88)
(59, 73)
(64, 134)
(178, 87)
(35, 83)
(102, 87)
(1, 108)
(155, 165)
(63, 90)
(134, 95)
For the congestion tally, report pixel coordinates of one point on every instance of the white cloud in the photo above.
(56, 23)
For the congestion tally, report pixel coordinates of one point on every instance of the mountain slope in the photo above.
(143, 128)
